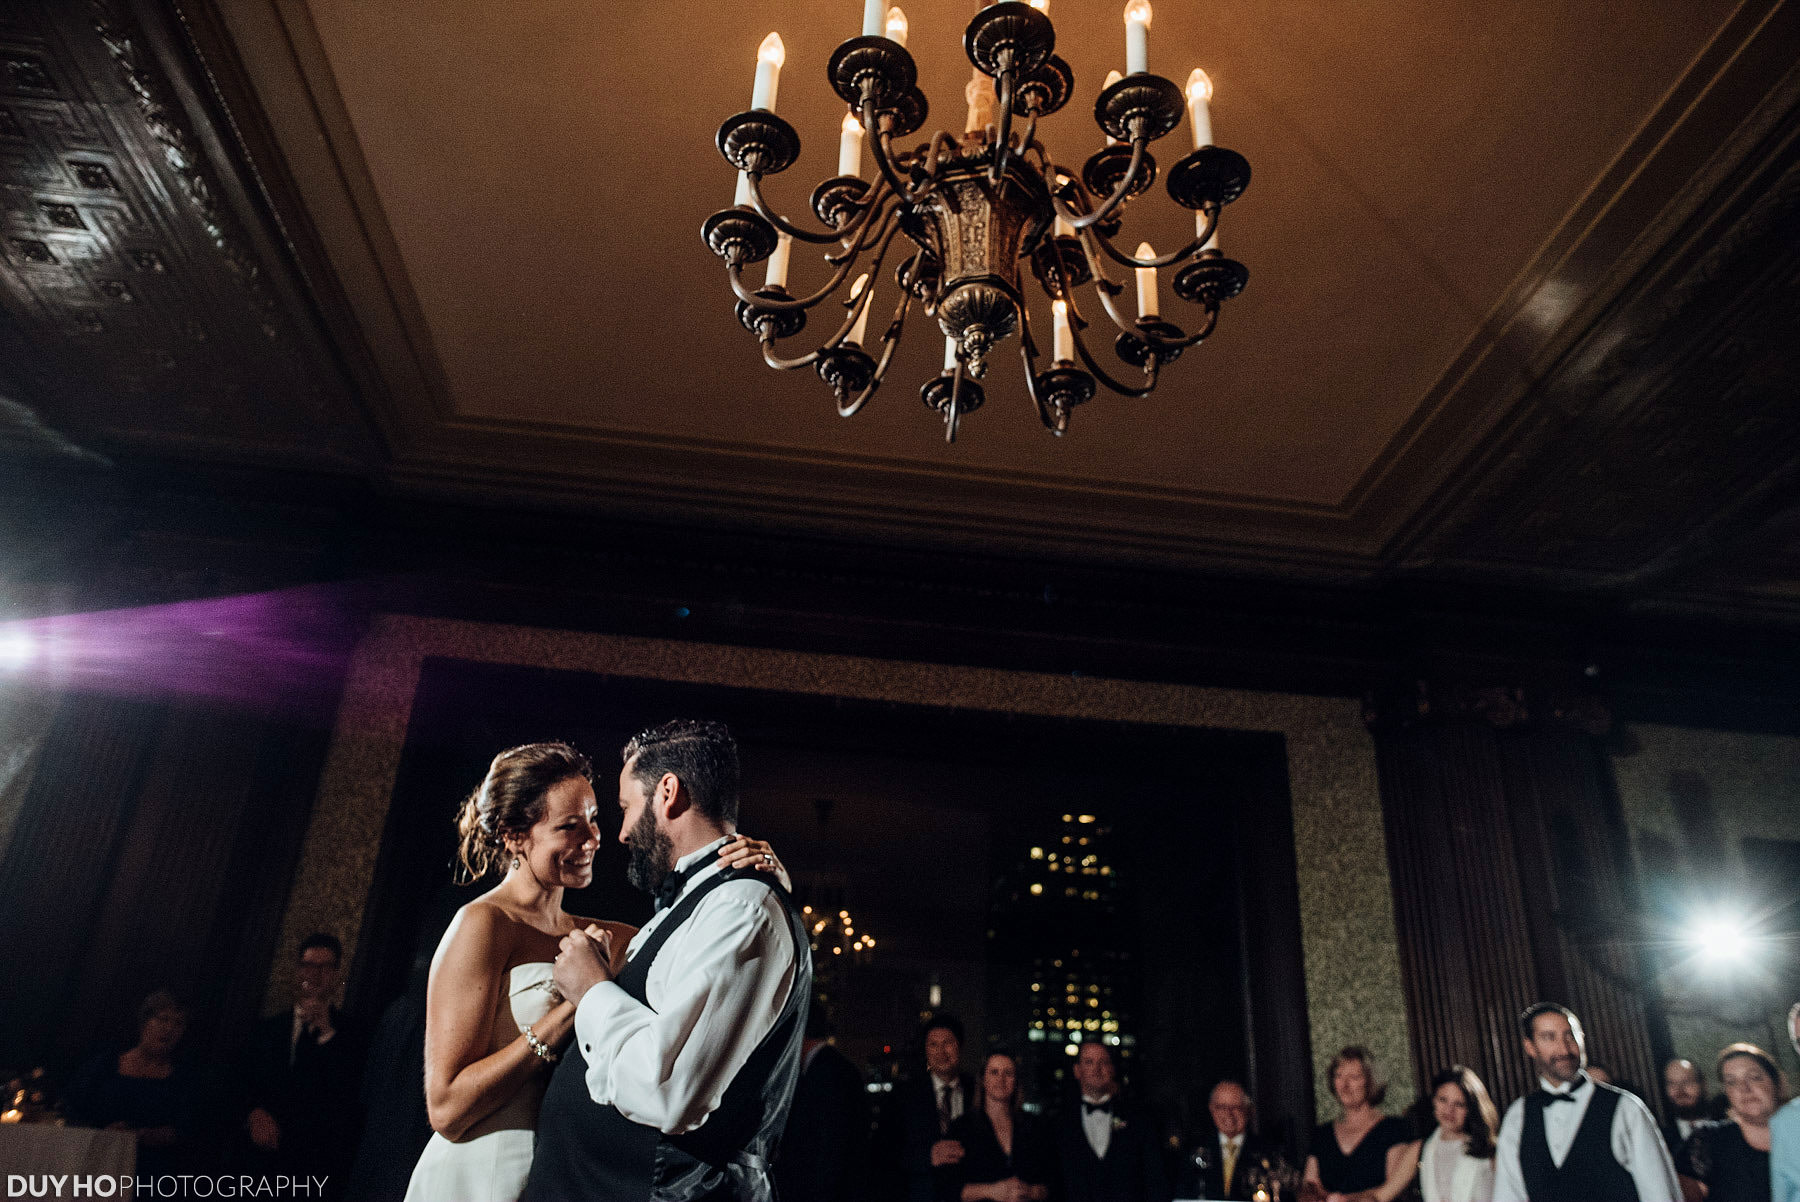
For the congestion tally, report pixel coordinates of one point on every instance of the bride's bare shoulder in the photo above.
(483, 927)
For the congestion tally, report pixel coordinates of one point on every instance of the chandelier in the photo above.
(975, 208)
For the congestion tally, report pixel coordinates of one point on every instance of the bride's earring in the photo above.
(515, 863)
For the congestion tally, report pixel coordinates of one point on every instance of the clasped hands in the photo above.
(584, 959)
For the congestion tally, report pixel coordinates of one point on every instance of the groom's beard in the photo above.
(652, 853)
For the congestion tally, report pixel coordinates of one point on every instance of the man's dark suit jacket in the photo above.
(315, 1099)
(909, 1128)
(825, 1149)
(1133, 1168)
(1211, 1184)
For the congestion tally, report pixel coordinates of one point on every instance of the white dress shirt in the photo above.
(1097, 1125)
(1636, 1143)
(715, 990)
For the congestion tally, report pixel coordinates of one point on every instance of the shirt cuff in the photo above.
(601, 1007)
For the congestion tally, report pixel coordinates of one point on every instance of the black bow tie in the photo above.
(675, 882)
(1088, 1107)
(1546, 1098)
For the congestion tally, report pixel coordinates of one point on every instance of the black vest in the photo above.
(1589, 1173)
(592, 1152)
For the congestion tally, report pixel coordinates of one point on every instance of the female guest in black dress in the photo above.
(1365, 1156)
(1006, 1152)
(141, 1090)
(1728, 1160)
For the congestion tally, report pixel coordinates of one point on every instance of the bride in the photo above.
(493, 1021)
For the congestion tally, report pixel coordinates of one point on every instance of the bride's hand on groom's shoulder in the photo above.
(583, 961)
(741, 851)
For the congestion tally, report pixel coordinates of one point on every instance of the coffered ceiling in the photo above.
(1521, 296)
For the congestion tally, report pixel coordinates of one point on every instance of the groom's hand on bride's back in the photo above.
(584, 961)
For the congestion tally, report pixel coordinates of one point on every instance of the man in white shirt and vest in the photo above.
(1573, 1139)
(679, 1079)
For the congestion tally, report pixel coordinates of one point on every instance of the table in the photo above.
(36, 1148)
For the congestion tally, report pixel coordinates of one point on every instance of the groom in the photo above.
(677, 1084)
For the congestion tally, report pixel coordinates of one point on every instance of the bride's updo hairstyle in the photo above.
(510, 800)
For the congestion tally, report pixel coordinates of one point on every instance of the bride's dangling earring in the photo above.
(515, 863)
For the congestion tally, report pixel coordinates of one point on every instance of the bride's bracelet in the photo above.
(539, 1047)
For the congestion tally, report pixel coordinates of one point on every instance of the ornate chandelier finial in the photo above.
(974, 208)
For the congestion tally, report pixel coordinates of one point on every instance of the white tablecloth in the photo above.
(31, 1148)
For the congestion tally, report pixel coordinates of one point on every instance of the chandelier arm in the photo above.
(890, 341)
(1082, 220)
(889, 228)
(1028, 356)
(783, 225)
(1077, 323)
(1003, 133)
(1150, 338)
(953, 411)
(779, 364)
(1191, 249)
(871, 234)
(934, 152)
(883, 150)
(866, 299)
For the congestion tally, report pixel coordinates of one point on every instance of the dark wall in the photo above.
(153, 848)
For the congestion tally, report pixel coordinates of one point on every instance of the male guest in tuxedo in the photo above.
(1684, 1088)
(1109, 1149)
(916, 1124)
(678, 1081)
(1573, 1139)
(304, 1076)
(825, 1150)
(1233, 1149)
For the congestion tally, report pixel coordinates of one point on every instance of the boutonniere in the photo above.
(1118, 1123)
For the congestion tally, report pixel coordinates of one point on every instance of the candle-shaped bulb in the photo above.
(1199, 97)
(1137, 37)
(1042, 6)
(850, 147)
(862, 319)
(979, 92)
(1112, 77)
(1148, 307)
(1063, 341)
(778, 263)
(896, 25)
(769, 57)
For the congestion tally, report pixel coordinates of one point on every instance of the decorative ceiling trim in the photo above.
(1657, 180)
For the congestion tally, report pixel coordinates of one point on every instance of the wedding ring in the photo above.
(769, 859)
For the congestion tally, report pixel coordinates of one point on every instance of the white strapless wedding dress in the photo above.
(491, 1162)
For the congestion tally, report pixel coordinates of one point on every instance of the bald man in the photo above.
(1233, 1149)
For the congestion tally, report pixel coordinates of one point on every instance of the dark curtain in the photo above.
(1512, 884)
(154, 848)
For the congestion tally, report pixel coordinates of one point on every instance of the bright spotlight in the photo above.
(1722, 940)
(17, 648)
